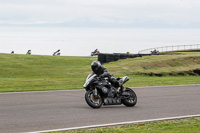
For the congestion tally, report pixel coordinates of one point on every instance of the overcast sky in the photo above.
(80, 26)
(101, 13)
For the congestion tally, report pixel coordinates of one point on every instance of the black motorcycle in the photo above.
(100, 91)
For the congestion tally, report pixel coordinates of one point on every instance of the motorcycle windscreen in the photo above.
(89, 79)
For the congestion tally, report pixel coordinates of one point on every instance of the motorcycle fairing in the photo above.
(89, 78)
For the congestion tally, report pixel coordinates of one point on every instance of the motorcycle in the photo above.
(96, 52)
(100, 91)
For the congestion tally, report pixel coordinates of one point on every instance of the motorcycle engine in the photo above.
(111, 92)
(105, 90)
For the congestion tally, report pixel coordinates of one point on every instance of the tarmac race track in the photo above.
(37, 111)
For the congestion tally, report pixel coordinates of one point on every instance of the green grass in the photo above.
(35, 73)
(162, 64)
(190, 125)
(41, 73)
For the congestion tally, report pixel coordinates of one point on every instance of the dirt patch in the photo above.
(195, 72)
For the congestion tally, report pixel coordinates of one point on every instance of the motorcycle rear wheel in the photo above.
(132, 100)
(92, 101)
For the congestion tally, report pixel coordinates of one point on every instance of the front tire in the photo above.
(92, 101)
(130, 101)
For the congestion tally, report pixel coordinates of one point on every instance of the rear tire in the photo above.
(132, 100)
(91, 101)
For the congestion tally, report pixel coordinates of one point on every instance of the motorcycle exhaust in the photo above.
(112, 101)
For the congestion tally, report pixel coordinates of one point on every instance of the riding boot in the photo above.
(123, 90)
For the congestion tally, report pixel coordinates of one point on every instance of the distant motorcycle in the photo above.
(57, 53)
(96, 52)
(155, 52)
(99, 91)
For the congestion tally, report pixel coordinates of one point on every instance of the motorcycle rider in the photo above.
(101, 71)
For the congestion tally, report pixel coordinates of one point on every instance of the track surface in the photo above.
(36, 111)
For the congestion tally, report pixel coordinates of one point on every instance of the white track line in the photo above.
(114, 124)
(27, 92)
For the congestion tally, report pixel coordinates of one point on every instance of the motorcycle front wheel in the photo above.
(92, 101)
(131, 100)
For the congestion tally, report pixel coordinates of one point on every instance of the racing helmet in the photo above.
(95, 66)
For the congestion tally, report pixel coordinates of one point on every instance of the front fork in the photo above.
(95, 93)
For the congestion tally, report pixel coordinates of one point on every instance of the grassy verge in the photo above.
(190, 125)
(41, 73)
(136, 81)
(35, 73)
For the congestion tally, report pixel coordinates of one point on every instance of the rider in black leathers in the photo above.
(101, 71)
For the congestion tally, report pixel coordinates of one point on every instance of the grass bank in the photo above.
(35, 73)
(41, 73)
(160, 65)
(190, 125)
